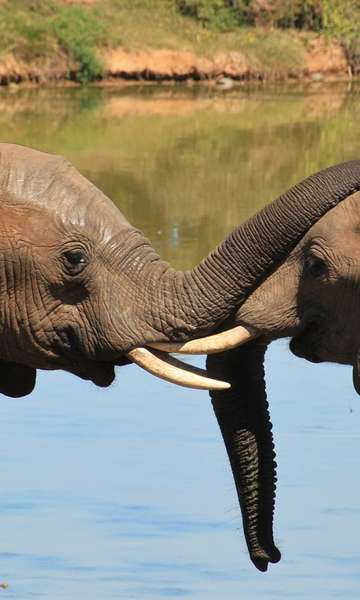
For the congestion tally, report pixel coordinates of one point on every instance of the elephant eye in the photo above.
(315, 266)
(75, 261)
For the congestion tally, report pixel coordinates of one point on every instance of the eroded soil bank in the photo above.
(320, 58)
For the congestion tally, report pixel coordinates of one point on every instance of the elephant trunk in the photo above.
(226, 277)
(243, 417)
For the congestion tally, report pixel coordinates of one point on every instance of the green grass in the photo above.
(37, 30)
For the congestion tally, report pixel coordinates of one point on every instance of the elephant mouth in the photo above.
(306, 344)
(102, 374)
(155, 358)
(72, 358)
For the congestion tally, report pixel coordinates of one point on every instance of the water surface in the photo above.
(126, 492)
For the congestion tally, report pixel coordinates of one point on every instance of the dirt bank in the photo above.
(320, 59)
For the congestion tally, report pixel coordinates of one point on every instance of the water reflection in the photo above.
(186, 166)
(125, 493)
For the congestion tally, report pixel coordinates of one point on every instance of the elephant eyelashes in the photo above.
(315, 266)
(75, 261)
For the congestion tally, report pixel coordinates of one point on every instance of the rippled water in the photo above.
(126, 493)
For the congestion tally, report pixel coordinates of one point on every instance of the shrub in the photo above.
(220, 15)
(342, 19)
(79, 31)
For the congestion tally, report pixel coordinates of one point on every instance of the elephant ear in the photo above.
(16, 380)
(243, 417)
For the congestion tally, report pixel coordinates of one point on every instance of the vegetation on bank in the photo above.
(34, 31)
(337, 18)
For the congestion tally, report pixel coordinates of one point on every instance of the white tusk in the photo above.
(173, 370)
(219, 342)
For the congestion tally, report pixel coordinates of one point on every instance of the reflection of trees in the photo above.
(187, 178)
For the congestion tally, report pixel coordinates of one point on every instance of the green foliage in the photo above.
(79, 30)
(218, 15)
(342, 19)
(300, 14)
(37, 28)
(337, 16)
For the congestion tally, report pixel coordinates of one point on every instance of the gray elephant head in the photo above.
(82, 290)
(311, 297)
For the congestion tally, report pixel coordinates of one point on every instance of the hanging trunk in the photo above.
(243, 417)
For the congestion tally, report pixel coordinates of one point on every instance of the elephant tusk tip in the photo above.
(224, 385)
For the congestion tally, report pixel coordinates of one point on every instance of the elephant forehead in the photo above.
(340, 227)
(49, 182)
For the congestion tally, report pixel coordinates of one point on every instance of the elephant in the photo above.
(83, 290)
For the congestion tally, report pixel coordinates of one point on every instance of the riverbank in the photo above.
(321, 59)
(79, 43)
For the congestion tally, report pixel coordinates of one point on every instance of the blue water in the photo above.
(126, 493)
